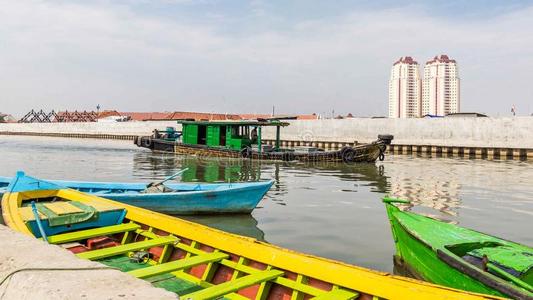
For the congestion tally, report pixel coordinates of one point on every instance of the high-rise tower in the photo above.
(440, 87)
(404, 89)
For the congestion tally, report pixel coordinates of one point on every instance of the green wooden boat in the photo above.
(461, 258)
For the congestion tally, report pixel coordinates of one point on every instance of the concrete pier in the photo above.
(32, 269)
(485, 138)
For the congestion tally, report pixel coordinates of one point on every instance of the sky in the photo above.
(237, 56)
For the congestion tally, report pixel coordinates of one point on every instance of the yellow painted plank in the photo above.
(26, 214)
(90, 233)
(62, 208)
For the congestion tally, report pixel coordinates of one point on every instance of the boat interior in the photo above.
(97, 230)
(509, 263)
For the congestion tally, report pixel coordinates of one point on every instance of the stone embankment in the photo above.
(465, 137)
(32, 269)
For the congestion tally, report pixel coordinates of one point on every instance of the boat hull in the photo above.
(236, 200)
(430, 262)
(191, 198)
(358, 154)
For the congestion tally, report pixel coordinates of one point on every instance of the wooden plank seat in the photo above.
(123, 249)
(63, 208)
(337, 294)
(178, 265)
(90, 233)
(234, 285)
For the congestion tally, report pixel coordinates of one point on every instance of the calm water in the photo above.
(330, 210)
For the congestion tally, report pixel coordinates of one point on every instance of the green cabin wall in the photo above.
(190, 136)
(213, 136)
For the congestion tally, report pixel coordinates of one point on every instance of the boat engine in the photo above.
(386, 138)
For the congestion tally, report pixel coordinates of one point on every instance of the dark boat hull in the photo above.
(361, 153)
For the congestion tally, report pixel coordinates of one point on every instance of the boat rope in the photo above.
(8, 276)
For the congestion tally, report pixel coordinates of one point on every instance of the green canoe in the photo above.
(461, 258)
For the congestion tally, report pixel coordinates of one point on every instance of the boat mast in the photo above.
(259, 140)
(277, 137)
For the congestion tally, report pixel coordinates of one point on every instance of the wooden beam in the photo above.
(123, 249)
(234, 285)
(90, 233)
(178, 265)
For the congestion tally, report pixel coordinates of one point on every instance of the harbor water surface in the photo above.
(330, 210)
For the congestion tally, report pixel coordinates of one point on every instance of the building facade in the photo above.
(441, 87)
(404, 89)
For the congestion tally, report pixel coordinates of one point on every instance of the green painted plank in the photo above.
(178, 265)
(337, 294)
(203, 284)
(307, 289)
(234, 285)
(90, 233)
(112, 251)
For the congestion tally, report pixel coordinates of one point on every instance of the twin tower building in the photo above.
(436, 94)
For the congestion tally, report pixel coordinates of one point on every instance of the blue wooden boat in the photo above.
(185, 198)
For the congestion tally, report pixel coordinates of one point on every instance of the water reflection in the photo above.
(240, 224)
(330, 210)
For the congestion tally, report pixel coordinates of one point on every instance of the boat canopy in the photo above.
(236, 123)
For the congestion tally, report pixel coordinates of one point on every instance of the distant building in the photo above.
(404, 89)
(441, 87)
(5, 118)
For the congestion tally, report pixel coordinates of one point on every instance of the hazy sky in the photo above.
(245, 56)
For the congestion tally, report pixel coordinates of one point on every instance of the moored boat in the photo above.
(177, 198)
(192, 260)
(243, 139)
(461, 258)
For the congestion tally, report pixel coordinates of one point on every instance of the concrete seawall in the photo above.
(470, 137)
(32, 269)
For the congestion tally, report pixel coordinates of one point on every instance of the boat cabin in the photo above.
(235, 135)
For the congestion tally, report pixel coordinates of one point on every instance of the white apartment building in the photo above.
(440, 87)
(404, 89)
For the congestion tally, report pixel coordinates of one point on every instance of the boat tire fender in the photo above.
(343, 149)
(348, 155)
(381, 156)
(148, 142)
(246, 152)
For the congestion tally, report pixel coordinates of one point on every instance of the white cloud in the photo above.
(74, 56)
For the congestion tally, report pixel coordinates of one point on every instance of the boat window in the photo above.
(222, 139)
(202, 134)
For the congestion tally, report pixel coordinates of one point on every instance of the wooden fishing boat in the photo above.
(461, 258)
(178, 198)
(243, 139)
(192, 260)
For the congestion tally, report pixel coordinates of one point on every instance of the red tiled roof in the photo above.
(181, 115)
(406, 60)
(443, 58)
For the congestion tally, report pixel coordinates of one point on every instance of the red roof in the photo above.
(443, 58)
(197, 116)
(406, 60)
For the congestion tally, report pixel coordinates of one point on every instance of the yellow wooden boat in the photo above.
(192, 260)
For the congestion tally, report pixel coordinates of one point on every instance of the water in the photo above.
(331, 210)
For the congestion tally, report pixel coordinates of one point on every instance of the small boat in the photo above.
(192, 260)
(461, 258)
(178, 198)
(243, 139)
